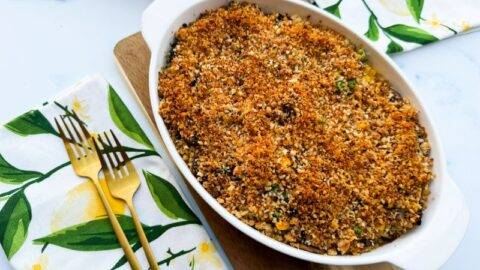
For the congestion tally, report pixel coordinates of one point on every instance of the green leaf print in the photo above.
(12, 175)
(98, 234)
(334, 9)
(123, 259)
(152, 233)
(124, 120)
(415, 7)
(171, 256)
(410, 34)
(90, 236)
(394, 47)
(372, 32)
(15, 218)
(30, 123)
(167, 198)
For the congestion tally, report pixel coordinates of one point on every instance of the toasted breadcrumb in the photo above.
(289, 128)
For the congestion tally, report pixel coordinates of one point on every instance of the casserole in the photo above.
(444, 221)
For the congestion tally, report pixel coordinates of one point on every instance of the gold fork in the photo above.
(123, 182)
(86, 163)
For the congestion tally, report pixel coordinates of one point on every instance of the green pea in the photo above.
(352, 83)
(342, 86)
(362, 55)
(275, 187)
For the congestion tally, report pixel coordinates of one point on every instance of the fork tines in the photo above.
(74, 135)
(120, 158)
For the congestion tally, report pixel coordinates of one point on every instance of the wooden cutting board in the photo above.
(133, 56)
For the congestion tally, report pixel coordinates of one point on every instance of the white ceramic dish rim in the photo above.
(444, 222)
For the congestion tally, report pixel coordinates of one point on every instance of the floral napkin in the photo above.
(52, 219)
(401, 25)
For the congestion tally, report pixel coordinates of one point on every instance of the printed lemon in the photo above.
(82, 204)
(80, 108)
(41, 263)
(205, 257)
(398, 7)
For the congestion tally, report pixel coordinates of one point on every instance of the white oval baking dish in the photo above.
(444, 221)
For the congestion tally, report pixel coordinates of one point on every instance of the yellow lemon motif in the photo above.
(206, 248)
(41, 263)
(434, 21)
(206, 257)
(466, 26)
(398, 7)
(80, 108)
(82, 204)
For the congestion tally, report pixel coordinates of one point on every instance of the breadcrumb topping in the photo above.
(289, 128)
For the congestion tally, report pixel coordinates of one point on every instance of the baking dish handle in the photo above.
(158, 17)
(435, 247)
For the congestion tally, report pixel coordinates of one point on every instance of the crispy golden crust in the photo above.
(290, 130)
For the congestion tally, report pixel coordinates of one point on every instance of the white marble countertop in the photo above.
(48, 45)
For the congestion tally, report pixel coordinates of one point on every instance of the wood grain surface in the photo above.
(133, 56)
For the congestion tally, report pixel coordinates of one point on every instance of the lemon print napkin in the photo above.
(401, 25)
(52, 219)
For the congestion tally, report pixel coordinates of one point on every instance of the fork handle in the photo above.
(143, 238)
(122, 239)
